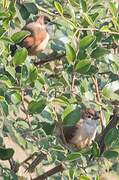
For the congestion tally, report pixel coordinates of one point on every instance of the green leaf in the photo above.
(99, 52)
(95, 149)
(6, 153)
(62, 100)
(73, 156)
(35, 107)
(2, 30)
(31, 8)
(86, 41)
(113, 9)
(24, 12)
(92, 70)
(24, 72)
(58, 7)
(11, 71)
(70, 53)
(4, 106)
(19, 36)
(82, 177)
(109, 94)
(83, 66)
(2, 98)
(71, 115)
(83, 5)
(88, 19)
(111, 136)
(21, 124)
(16, 98)
(33, 74)
(1, 141)
(48, 127)
(20, 56)
(110, 154)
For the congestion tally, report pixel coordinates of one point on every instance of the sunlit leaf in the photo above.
(70, 53)
(20, 56)
(73, 156)
(58, 7)
(71, 115)
(99, 52)
(86, 41)
(36, 106)
(19, 36)
(83, 66)
(16, 98)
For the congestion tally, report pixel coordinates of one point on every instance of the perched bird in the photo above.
(37, 40)
(83, 133)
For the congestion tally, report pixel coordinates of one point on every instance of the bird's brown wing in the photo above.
(40, 37)
(69, 132)
(28, 42)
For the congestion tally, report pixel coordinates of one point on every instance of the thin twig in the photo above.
(56, 169)
(60, 126)
(24, 108)
(102, 120)
(40, 157)
(96, 29)
(49, 59)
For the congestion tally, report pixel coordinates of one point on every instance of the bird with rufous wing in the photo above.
(38, 38)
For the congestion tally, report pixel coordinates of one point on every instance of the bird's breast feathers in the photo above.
(85, 133)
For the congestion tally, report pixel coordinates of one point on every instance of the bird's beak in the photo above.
(97, 115)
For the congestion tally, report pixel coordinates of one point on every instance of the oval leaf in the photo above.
(87, 41)
(58, 7)
(73, 156)
(83, 66)
(110, 154)
(111, 136)
(16, 98)
(71, 115)
(24, 72)
(20, 56)
(6, 154)
(31, 8)
(19, 36)
(70, 53)
(35, 107)
(99, 52)
(95, 149)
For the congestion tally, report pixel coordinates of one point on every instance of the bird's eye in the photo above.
(89, 116)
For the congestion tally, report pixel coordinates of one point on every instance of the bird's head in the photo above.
(89, 114)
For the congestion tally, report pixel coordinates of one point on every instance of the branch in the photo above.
(40, 157)
(102, 120)
(56, 169)
(49, 59)
(96, 29)
(113, 122)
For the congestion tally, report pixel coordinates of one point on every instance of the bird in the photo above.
(38, 38)
(81, 134)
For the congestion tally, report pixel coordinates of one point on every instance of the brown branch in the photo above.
(102, 120)
(40, 157)
(49, 59)
(56, 169)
